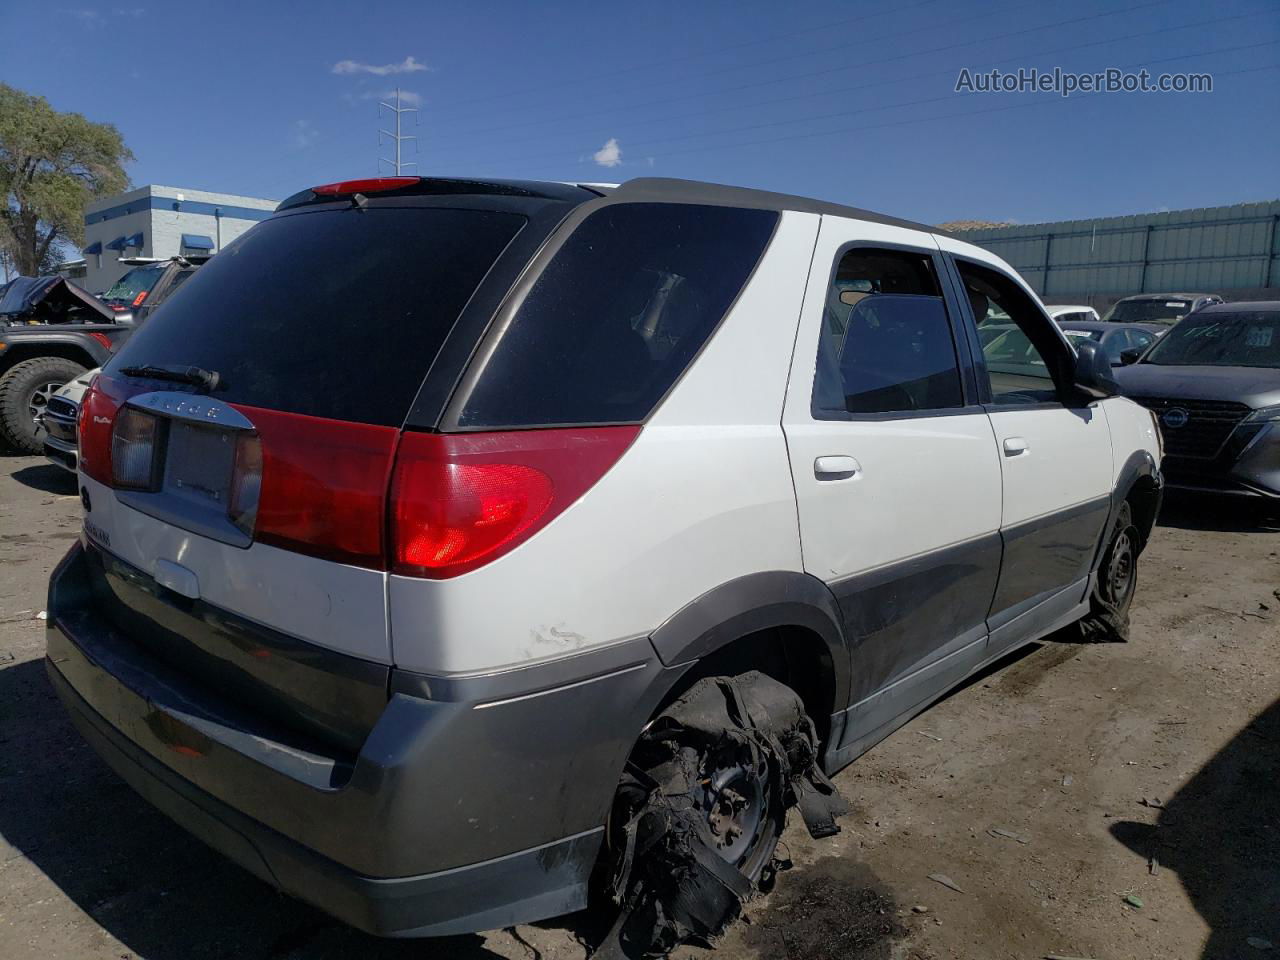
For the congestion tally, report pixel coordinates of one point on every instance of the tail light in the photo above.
(459, 501)
(368, 185)
(135, 437)
(94, 430)
(321, 485)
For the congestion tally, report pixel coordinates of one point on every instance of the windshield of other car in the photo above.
(1221, 340)
(132, 289)
(1149, 311)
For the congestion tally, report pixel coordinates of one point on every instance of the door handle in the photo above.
(1013, 446)
(836, 468)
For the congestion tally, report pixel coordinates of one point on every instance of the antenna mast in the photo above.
(398, 138)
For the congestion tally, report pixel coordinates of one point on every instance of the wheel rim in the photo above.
(1120, 568)
(734, 806)
(39, 399)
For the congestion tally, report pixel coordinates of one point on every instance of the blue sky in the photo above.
(847, 101)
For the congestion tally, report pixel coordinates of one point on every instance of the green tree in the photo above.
(51, 165)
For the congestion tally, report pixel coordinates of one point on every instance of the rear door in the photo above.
(894, 463)
(1054, 455)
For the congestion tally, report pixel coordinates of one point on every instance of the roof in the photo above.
(642, 189)
(1242, 306)
(694, 191)
(1166, 296)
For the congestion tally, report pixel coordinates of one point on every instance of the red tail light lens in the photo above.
(94, 430)
(459, 501)
(322, 485)
(369, 185)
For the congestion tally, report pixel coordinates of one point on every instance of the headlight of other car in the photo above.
(1264, 415)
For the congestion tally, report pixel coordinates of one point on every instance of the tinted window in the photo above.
(331, 313)
(1018, 359)
(886, 345)
(618, 314)
(1221, 339)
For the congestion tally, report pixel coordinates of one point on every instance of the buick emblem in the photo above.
(1175, 417)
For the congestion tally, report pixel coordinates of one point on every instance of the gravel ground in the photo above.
(1048, 790)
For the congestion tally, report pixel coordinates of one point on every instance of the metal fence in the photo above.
(1214, 249)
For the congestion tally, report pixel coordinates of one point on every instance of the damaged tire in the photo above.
(701, 806)
(1116, 582)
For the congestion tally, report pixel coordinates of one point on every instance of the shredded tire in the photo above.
(669, 875)
(1108, 619)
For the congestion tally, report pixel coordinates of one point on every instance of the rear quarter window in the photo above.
(617, 315)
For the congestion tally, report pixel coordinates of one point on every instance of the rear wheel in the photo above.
(24, 392)
(701, 807)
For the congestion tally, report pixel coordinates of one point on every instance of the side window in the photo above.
(1141, 340)
(886, 344)
(1022, 353)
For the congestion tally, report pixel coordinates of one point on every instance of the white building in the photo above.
(155, 221)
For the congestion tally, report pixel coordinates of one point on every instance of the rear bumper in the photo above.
(541, 882)
(472, 804)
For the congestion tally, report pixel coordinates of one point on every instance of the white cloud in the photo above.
(407, 65)
(610, 155)
(408, 98)
(134, 12)
(304, 134)
(89, 19)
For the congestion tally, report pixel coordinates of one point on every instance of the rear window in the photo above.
(618, 314)
(329, 313)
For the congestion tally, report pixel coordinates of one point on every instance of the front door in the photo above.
(895, 466)
(1054, 453)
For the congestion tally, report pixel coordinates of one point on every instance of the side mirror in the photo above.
(1130, 356)
(1093, 377)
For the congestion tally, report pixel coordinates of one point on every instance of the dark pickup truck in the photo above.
(52, 330)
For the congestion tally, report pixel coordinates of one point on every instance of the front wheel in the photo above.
(700, 809)
(24, 393)
(1117, 578)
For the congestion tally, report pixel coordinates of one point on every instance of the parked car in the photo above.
(1162, 308)
(51, 331)
(383, 611)
(1113, 338)
(58, 419)
(1214, 382)
(1071, 314)
(149, 283)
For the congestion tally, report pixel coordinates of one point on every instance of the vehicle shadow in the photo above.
(1221, 834)
(1226, 514)
(46, 478)
(144, 880)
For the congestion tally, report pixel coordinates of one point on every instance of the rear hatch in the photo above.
(236, 457)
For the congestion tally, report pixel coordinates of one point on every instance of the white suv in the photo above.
(432, 502)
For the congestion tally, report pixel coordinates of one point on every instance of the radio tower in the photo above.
(397, 137)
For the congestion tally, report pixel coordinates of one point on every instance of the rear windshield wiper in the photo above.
(196, 376)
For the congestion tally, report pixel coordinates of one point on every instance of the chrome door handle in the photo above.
(836, 468)
(1013, 446)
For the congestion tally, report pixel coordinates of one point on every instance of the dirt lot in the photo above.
(1149, 769)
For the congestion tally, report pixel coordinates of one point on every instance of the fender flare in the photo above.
(749, 604)
(1139, 464)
